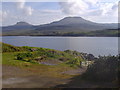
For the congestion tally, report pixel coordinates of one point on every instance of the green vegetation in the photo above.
(8, 59)
(10, 48)
(105, 68)
(109, 33)
(38, 55)
(98, 33)
(28, 57)
(44, 55)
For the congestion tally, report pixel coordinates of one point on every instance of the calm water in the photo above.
(94, 45)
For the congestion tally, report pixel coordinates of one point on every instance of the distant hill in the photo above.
(17, 29)
(18, 26)
(75, 24)
(61, 27)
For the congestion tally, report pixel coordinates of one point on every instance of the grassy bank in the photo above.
(36, 55)
(18, 57)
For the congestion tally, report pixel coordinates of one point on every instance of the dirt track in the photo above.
(14, 77)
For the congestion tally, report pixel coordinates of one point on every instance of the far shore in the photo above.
(56, 36)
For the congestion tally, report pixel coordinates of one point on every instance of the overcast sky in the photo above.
(36, 13)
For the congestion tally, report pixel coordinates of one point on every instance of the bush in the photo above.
(24, 56)
(104, 69)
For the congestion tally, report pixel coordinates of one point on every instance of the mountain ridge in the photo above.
(65, 25)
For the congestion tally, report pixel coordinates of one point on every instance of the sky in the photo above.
(37, 13)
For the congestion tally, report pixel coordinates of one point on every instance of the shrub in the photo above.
(24, 56)
(104, 69)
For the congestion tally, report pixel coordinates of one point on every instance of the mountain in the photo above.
(18, 26)
(22, 24)
(72, 21)
(75, 24)
(65, 25)
(17, 29)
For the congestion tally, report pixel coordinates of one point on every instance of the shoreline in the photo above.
(55, 36)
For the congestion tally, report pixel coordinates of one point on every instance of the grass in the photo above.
(9, 59)
(38, 69)
(67, 58)
(35, 54)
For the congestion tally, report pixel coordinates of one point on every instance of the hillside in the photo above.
(58, 28)
(36, 54)
(75, 24)
(10, 48)
(32, 67)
